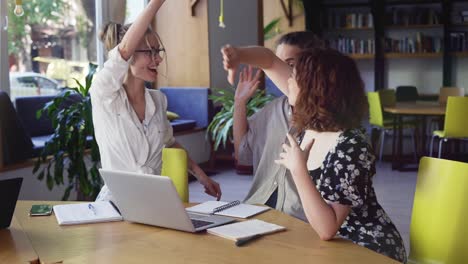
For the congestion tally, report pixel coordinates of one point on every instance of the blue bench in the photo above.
(191, 104)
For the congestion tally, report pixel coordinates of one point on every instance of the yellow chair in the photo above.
(438, 232)
(174, 166)
(378, 118)
(454, 127)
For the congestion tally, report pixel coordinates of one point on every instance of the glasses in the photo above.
(153, 52)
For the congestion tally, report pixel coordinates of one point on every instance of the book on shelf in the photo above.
(356, 20)
(458, 41)
(353, 46)
(399, 16)
(417, 44)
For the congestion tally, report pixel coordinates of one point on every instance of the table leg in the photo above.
(394, 156)
(424, 136)
(400, 142)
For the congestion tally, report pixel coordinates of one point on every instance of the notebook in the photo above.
(84, 213)
(232, 209)
(245, 229)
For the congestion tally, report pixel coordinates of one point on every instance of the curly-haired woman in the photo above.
(328, 156)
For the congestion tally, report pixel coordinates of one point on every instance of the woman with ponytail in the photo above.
(130, 121)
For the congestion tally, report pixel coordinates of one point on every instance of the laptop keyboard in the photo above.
(200, 223)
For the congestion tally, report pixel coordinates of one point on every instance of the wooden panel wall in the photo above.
(185, 38)
(272, 10)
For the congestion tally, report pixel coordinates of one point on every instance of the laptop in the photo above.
(153, 200)
(9, 191)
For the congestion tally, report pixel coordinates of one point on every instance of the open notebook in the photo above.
(232, 209)
(245, 229)
(83, 213)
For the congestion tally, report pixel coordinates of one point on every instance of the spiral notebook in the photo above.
(232, 209)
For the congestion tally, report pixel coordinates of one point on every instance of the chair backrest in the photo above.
(445, 92)
(16, 142)
(174, 166)
(455, 113)
(375, 109)
(387, 97)
(406, 93)
(438, 232)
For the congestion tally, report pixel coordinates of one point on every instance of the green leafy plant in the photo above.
(271, 29)
(221, 126)
(67, 148)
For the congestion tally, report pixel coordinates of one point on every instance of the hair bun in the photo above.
(110, 35)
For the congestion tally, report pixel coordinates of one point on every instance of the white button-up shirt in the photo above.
(124, 142)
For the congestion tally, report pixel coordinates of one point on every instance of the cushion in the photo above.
(172, 116)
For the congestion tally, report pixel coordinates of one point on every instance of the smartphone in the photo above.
(40, 210)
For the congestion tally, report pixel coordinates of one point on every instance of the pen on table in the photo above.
(91, 207)
(244, 241)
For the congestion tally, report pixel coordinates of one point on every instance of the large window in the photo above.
(54, 41)
(50, 45)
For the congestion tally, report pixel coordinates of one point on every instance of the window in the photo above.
(54, 41)
(49, 45)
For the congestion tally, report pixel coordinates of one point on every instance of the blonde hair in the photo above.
(113, 33)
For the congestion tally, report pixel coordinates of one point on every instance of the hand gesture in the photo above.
(230, 61)
(211, 187)
(248, 84)
(293, 157)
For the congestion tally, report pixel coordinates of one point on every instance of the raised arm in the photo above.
(137, 30)
(260, 57)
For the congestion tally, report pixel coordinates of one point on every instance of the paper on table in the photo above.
(71, 214)
(245, 229)
(240, 211)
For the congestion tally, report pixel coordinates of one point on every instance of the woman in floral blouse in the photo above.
(329, 158)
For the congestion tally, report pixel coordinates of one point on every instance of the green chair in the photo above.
(174, 166)
(378, 118)
(438, 232)
(454, 126)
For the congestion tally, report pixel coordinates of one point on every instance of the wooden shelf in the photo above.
(421, 26)
(398, 55)
(358, 56)
(459, 54)
(351, 29)
(459, 25)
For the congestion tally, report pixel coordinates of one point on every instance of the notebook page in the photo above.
(243, 210)
(206, 207)
(245, 229)
(70, 214)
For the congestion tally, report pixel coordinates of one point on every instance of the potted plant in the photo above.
(67, 149)
(220, 128)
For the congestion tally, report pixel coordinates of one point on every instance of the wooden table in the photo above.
(123, 242)
(421, 109)
(15, 246)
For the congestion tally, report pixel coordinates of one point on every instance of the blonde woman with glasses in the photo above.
(130, 120)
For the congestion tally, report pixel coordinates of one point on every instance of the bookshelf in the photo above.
(401, 55)
(417, 29)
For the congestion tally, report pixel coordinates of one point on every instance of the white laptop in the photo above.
(153, 200)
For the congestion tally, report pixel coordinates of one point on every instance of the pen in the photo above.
(243, 241)
(91, 207)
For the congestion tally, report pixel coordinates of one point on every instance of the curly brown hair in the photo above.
(331, 92)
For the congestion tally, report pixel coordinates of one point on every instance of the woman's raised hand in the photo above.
(230, 61)
(248, 84)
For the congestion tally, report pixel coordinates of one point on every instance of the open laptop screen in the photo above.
(9, 191)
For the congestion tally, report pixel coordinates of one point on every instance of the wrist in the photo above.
(240, 101)
(299, 171)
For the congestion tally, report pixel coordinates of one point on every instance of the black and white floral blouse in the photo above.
(345, 177)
